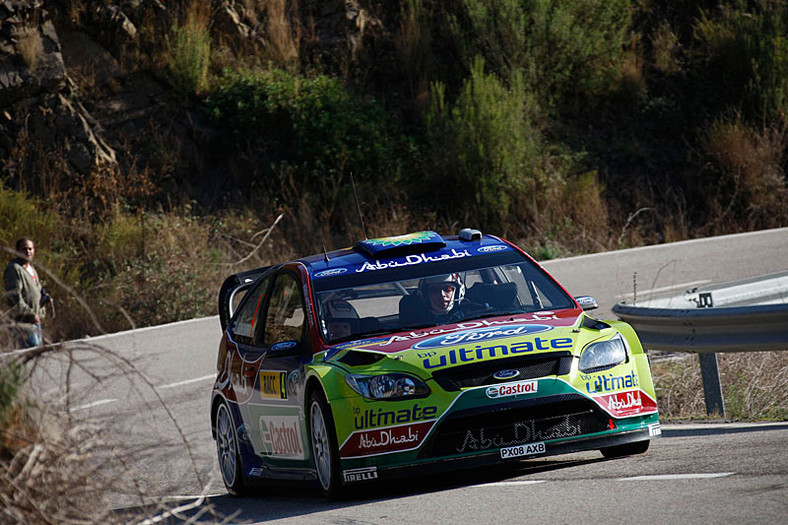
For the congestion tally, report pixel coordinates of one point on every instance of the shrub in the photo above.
(187, 51)
(312, 121)
(484, 148)
(746, 58)
(568, 52)
(24, 216)
(743, 181)
(295, 135)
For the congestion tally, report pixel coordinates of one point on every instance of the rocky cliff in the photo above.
(81, 93)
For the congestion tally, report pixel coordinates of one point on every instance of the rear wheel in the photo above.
(227, 450)
(324, 445)
(630, 449)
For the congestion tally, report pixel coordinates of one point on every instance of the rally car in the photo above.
(417, 353)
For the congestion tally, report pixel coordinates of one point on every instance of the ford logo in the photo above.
(481, 335)
(504, 375)
(493, 248)
(329, 273)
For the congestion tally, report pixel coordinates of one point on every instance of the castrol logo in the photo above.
(512, 389)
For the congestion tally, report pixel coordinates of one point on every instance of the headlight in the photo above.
(387, 386)
(603, 354)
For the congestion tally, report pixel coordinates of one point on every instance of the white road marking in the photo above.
(188, 381)
(146, 329)
(511, 483)
(93, 404)
(665, 288)
(672, 477)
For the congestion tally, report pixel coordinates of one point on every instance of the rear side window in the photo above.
(249, 314)
(285, 319)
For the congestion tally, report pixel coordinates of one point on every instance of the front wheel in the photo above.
(227, 449)
(629, 449)
(324, 447)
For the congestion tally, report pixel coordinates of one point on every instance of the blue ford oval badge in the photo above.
(503, 375)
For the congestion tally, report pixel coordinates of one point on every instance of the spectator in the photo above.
(26, 298)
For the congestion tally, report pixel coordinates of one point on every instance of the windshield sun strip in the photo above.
(369, 277)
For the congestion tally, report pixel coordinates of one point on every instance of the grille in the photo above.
(480, 374)
(512, 424)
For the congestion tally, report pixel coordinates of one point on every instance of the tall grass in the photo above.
(60, 464)
(187, 51)
(753, 386)
(745, 174)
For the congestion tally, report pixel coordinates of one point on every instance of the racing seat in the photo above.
(413, 311)
(499, 296)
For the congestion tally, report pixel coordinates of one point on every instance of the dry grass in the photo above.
(283, 32)
(754, 386)
(747, 165)
(666, 47)
(30, 46)
(61, 466)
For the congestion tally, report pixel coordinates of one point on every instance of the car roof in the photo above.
(377, 251)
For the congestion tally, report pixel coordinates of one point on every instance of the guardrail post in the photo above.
(712, 388)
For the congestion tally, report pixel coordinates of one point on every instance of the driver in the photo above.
(442, 294)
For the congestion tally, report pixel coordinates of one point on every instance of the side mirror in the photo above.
(587, 302)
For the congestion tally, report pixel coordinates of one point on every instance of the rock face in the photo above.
(125, 115)
(37, 98)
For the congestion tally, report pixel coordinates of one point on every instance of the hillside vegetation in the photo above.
(152, 148)
(568, 127)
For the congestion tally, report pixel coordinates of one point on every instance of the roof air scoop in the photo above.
(469, 234)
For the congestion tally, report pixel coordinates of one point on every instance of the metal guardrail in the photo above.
(743, 316)
(704, 330)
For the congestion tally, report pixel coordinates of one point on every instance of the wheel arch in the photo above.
(215, 402)
(313, 384)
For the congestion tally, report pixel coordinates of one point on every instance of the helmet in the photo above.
(442, 292)
(339, 317)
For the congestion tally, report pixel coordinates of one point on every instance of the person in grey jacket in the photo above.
(26, 298)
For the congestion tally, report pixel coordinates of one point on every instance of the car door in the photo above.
(274, 412)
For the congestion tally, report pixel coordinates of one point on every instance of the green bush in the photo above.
(299, 139)
(569, 52)
(187, 53)
(484, 147)
(314, 122)
(745, 52)
(24, 216)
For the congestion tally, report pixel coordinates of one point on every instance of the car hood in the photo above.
(477, 340)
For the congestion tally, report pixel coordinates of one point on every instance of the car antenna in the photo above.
(358, 206)
(325, 254)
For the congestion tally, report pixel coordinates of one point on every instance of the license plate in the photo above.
(526, 449)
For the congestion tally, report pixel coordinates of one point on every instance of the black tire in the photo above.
(230, 463)
(323, 439)
(630, 449)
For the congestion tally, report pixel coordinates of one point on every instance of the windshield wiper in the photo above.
(495, 313)
(415, 327)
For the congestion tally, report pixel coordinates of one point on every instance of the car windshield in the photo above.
(430, 299)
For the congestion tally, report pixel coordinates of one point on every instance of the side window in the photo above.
(285, 318)
(248, 317)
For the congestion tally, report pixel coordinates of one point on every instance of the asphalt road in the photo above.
(149, 391)
(612, 277)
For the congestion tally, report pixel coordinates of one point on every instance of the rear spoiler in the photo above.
(231, 286)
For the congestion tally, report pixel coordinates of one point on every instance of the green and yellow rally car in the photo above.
(417, 353)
